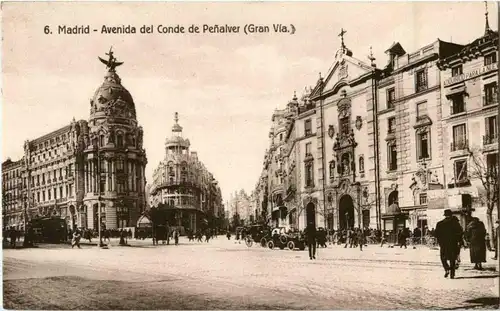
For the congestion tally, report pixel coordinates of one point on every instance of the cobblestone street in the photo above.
(226, 275)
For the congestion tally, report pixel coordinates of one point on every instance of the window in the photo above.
(38, 196)
(345, 127)
(421, 110)
(307, 127)
(423, 145)
(308, 149)
(421, 80)
(456, 71)
(309, 174)
(392, 157)
(49, 194)
(361, 164)
(102, 185)
(119, 140)
(119, 165)
(490, 94)
(55, 193)
(391, 125)
(70, 190)
(60, 192)
(458, 104)
(422, 198)
(492, 164)
(490, 59)
(120, 185)
(460, 170)
(70, 170)
(459, 138)
(101, 140)
(281, 137)
(491, 130)
(391, 96)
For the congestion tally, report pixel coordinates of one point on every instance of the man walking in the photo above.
(449, 235)
(311, 240)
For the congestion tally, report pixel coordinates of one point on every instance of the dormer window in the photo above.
(490, 59)
(456, 71)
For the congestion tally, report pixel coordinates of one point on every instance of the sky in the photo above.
(225, 87)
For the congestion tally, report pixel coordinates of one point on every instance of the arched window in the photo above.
(393, 198)
(361, 164)
(119, 140)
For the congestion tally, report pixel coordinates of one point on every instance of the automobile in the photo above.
(257, 232)
(296, 239)
(282, 238)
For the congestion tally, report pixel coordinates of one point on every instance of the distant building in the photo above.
(182, 183)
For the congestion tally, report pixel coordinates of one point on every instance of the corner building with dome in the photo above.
(73, 170)
(183, 185)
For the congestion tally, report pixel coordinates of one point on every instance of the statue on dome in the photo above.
(111, 63)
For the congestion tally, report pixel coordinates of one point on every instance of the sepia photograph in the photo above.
(250, 155)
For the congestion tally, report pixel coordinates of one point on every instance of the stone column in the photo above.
(85, 175)
(90, 217)
(113, 175)
(132, 177)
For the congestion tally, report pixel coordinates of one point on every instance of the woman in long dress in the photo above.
(476, 234)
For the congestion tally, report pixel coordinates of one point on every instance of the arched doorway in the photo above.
(346, 212)
(311, 214)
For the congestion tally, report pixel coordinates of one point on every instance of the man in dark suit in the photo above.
(311, 240)
(449, 236)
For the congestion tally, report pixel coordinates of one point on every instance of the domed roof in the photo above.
(111, 99)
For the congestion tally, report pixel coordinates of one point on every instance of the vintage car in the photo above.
(281, 238)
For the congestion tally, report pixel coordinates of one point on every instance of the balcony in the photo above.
(490, 99)
(490, 139)
(459, 145)
(419, 87)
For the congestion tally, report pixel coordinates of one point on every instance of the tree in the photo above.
(485, 169)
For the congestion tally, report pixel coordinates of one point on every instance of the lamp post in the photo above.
(347, 220)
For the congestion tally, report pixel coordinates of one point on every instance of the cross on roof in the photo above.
(341, 35)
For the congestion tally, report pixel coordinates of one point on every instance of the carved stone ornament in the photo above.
(359, 122)
(331, 131)
(343, 72)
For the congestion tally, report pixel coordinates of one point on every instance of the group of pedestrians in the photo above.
(450, 237)
(198, 235)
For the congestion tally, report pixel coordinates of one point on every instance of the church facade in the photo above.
(86, 165)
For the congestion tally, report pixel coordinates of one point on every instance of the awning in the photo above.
(455, 91)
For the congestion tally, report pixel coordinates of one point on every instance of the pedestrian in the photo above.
(76, 239)
(361, 238)
(311, 240)
(476, 234)
(448, 233)
(13, 237)
(402, 238)
(228, 235)
(495, 238)
(176, 237)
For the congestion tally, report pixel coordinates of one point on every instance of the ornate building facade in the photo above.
(182, 183)
(470, 130)
(378, 147)
(71, 172)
